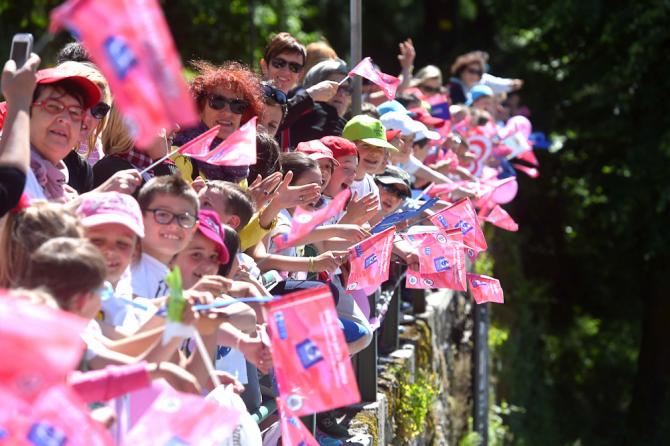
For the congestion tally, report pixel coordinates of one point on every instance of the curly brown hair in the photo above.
(231, 75)
(462, 62)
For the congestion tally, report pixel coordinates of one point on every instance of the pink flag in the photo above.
(44, 346)
(441, 261)
(388, 84)
(530, 171)
(529, 157)
(485, 289)
(131, 44)
(58, 417)
(309, 353)
(293, 432)
(499, 217)
(443, 189)
(177, 418)
(370, 261)
(462, 215)
(239, 149)
(304, 221)
(201, 144)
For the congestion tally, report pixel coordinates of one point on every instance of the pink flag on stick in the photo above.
(485, 289)
(292, 429)
(136, 53)
(177, 418)
(441, 262)
(370, 261)
(201, 144)
(239, 149)
(499, 217)
(388, 84)
(44, 346)
(304, 221)
(530, 171)
(309, 353)
(462, 215)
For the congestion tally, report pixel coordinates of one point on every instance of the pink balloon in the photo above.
(505, 191)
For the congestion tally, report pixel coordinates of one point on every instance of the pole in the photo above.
(481, 372)
(356, 14)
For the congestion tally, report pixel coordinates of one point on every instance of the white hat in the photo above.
(399, 121)
(422, 132)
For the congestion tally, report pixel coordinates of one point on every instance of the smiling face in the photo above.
(54, 135)
(282, 78)
(389, 200)
(343, 175)
(271, 118)
(116, 243)
(200, 258)
(326, 167)
(371, 159)
(228, 120)
(164, 241)
(308, 177)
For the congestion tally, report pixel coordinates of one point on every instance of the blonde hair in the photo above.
(24, 231)
(317, 52)
(91, 72)
(116, 137)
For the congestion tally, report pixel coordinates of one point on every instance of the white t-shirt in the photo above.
(149, 277)
(365, 186)
(283, 226)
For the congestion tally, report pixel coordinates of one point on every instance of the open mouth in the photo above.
(224, 123)
(58, 133)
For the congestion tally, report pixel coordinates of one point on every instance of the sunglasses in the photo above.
(165, 217)
(100, 110)
(275, 94)
(475, 71)
(401, 194)
(280, 63)
(237, 106)
(428, 89)
(56, 107)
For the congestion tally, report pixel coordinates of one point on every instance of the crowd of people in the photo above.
(92, 224)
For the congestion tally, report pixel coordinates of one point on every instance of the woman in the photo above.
(228, 96)
(427, 85)
(326, 118)
(275, 109)
(60, 102)
(467, 71)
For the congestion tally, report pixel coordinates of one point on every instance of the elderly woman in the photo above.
(60, 103)
(228, 96)
(326, 118)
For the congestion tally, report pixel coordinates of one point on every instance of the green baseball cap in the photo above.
(369, 130)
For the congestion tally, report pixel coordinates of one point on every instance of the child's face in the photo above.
(199, 259)
(343, 175)
(116, 243)
(371, 158)
(312, 176)
(326, 167)
(214, 200)
(163, 241)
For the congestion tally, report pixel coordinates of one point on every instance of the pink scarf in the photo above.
(52, 178)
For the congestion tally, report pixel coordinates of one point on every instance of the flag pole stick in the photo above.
(206, 359)
(158, 161)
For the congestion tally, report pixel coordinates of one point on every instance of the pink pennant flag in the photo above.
(530, 171)
(462, 215)
(499, 217)
(293, 432)
(131, 44)
(57, 417)
(485, 289)
(44, 346)
(441, 261)
(304, 222)
(176, 418)
(443, 189)
(309, 353)
(239, 149)
(529, 157)
(388, 84)
(201, 144)
(370, 261)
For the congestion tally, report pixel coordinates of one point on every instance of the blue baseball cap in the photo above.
(479, 91)
(391, 106)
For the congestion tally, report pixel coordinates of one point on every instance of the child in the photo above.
(233, 204)
(170, 208)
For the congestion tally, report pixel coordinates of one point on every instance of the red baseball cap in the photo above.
(209, 225)
(390, 134)
(53, 75)
(316, 150)
(340, 147)
(421, 115)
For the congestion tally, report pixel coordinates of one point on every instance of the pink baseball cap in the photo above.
(111, 207)
(209, 224)
(316, 150)
(57, 74)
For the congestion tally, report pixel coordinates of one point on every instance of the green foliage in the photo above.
(413, 404)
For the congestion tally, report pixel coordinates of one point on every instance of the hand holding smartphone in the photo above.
(22, 46)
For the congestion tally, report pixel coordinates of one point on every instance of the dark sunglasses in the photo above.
(100, 110)
(401, 194)
(237, 106)
(428, 89)
(280, 63)
(475, 71)
(275, 94)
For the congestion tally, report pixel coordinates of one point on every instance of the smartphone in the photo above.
(22, 46)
